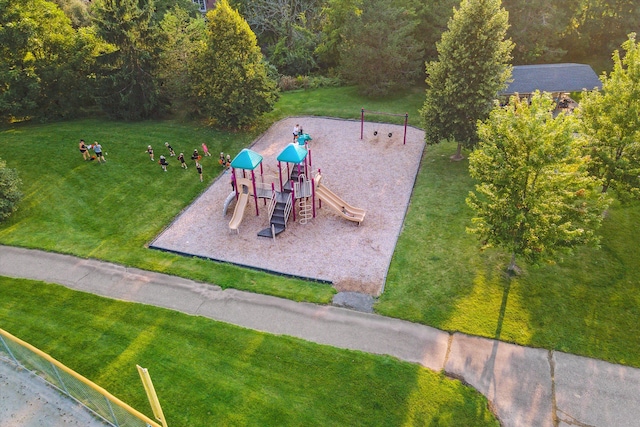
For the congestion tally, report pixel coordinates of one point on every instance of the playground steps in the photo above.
(277, 219)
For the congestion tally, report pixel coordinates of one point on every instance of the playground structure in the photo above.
(375, 133)
(297, 188)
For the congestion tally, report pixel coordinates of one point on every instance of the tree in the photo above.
(472, 67)
(181, 38)
(433, 16)
(534, 195)
(536, 28)
(127, 84)
(44, 62)
(335, 18)
(286, 30)
(600, 26)
(10, 195)
(232, 85)
(611, 121)
(379, 52)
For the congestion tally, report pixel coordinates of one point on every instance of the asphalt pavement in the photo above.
(526, 387)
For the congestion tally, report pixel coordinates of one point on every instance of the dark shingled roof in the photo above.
(552, 78)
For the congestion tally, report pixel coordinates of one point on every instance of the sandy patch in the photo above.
(376, 173)
(27, 400)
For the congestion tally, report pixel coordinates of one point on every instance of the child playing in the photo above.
(228, 161)
(97, 148)
(296, 132)
(150, 152)
(199, 168)
(205, 149)
(84, 150)
(221, 160)
(196, 156)
(163, 163)
(170, 148)
(183, 164)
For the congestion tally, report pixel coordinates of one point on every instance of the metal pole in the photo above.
(255, 193)
(361, 123)
(406, 119)
(293, 200)
(313, 196)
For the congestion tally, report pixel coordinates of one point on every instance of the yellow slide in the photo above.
(343, 209)
(238, 213)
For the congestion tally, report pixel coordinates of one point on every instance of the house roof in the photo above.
(552, 78)
(293, 153)
(246, 159)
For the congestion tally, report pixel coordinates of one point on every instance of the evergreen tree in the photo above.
(127, 84)
(534, 195)
(10, 194)
(611, 120)
(231, 81)
(379, 52)
(472, 67)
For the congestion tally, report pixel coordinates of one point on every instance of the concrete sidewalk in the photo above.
(525, 386)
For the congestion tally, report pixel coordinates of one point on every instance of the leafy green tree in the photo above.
(287, 31)
(379, 52)
(598, 27)
(77, 11)
(232, 85)
(44, 63)
(335, 19)
(472, 67)
(181, 38)
(433, 16)
(536, 28)
(534, 195)
(10, 194)
(611, 121)
(127, 86)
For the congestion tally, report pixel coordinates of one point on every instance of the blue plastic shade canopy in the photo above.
(246, 159)
(292, 153)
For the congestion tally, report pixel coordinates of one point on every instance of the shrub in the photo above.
(10, 196)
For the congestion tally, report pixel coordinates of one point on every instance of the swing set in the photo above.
(405, 115)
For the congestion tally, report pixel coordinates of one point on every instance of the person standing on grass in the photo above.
(163, 163)
(84, 150)
(205, 149)
(170, 148)
(183, 163)
(97, 148)
(196, 156)
(199, 168)
(150, 152)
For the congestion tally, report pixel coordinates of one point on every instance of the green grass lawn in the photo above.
(111, 211)
(586, 303)
(209, 373)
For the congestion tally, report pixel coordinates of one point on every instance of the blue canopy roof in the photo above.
(246, 159)
(293, 153)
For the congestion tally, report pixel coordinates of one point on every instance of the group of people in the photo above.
(97, 150)
(183, 163)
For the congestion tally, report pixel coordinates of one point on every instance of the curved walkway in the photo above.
(525, 386)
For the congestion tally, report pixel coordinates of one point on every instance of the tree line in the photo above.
(137, 59)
